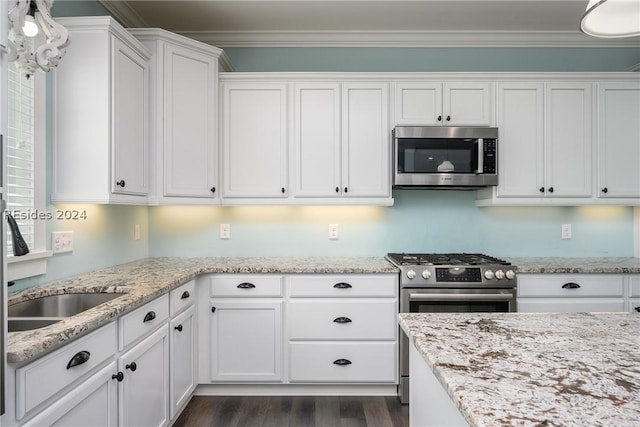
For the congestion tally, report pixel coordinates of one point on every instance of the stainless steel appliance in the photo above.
(450, 283)
(444, 157)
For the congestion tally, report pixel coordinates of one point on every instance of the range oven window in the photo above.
(459, 307)
(437, 155)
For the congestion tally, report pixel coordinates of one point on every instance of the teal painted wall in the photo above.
(421, 220)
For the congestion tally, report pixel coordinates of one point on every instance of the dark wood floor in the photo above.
(298, 411)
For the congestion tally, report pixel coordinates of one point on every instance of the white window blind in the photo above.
(20, 154)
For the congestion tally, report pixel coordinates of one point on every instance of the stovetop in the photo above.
(449, 259)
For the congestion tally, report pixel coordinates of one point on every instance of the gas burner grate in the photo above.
(445, 259)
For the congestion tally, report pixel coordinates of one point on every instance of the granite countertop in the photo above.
(577, 265)
(580, 369)
(143, 280)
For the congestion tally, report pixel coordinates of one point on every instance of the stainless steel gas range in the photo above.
(450, 283)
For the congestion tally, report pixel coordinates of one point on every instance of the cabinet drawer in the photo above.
(45, 377)
(634, 286)
(343, 286)
(362, 362)
(543, 305)
(245, 286)
(182, 297)
(343, 320)
(570, 285)
(143, 320)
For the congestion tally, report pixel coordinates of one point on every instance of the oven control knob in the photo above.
(488, 274)
(510, 274)
(499, 274)
(411, 274)
(426, 274)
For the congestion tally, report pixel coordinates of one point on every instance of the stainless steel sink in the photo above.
(45, 311)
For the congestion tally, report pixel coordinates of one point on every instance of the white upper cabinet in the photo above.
(342, 141)
(254, 140)
(443, 104)
(184, 151)
(619, 140)
(101, 137)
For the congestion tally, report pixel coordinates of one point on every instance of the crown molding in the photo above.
(124, 13)
(404, 39)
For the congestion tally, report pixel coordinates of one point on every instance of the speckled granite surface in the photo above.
(525, 369)
(143, 280)
(577, 265)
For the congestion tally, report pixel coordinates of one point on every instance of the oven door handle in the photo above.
(459, 297)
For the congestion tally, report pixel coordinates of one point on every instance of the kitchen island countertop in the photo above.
(564, 369)
(143, 280)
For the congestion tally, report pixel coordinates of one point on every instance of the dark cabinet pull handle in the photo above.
(213, 189)
(605, 190)
(185, 295)
(541, 189)
(119, 376)
(282, 189)
(213, 309)
(550, 189)
(178, 328)
(246, 285)
(439, 118)
(132, 366)
(342, 320)
(121, 183)
(78, 359)
(637, 309)
(342, 285)
(570, 285)
(337, 189)
(342, 362)
(149, 316)
(448, 118)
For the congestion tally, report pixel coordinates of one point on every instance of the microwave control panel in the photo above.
(489, 155)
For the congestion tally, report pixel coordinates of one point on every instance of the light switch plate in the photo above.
(566, 231)
(225, 231)
(333, 232)
(61, 241)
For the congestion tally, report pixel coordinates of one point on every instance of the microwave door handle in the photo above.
(480, 156)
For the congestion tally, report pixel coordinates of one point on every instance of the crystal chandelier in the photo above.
(36, 41)
(611, 18)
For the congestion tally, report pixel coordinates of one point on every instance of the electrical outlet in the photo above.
(566, 231)
(333, 231)
(225, 231)
(61, 241)
(136, 232)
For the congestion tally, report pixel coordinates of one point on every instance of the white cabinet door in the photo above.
(466, 104)
(144, 392)
(418, 104)
(182, 370)
(129, 109)
(365, 140)
(521, 148)
(568, 141)
(619, 140)
(255, 140)
(246, 341)
(93, 403)
(317, 152)
(190, 149)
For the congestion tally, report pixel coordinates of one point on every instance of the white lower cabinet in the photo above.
(571, 293)
(182, 368)
(143, 393)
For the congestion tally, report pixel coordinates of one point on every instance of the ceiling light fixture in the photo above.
(611, 18)
(36, 41)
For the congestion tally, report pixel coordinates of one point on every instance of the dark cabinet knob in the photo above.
(448, 118)
(342, 285)
(121, 183)
(119, 376)
(541, 189)
(605, 190)
(78, 359)
(282, 189)
(439, 118)
(213, 189)
(637, 309)
(346, 189)
(550, 190)
(185, 295)
(213, 309)
(342, 362)
(337, 189)
(246, 285)
(571, 285)
(342, 320)
(149, 316)
(131, 366)
(178, 328)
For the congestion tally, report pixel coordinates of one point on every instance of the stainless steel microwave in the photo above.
(444, 157)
